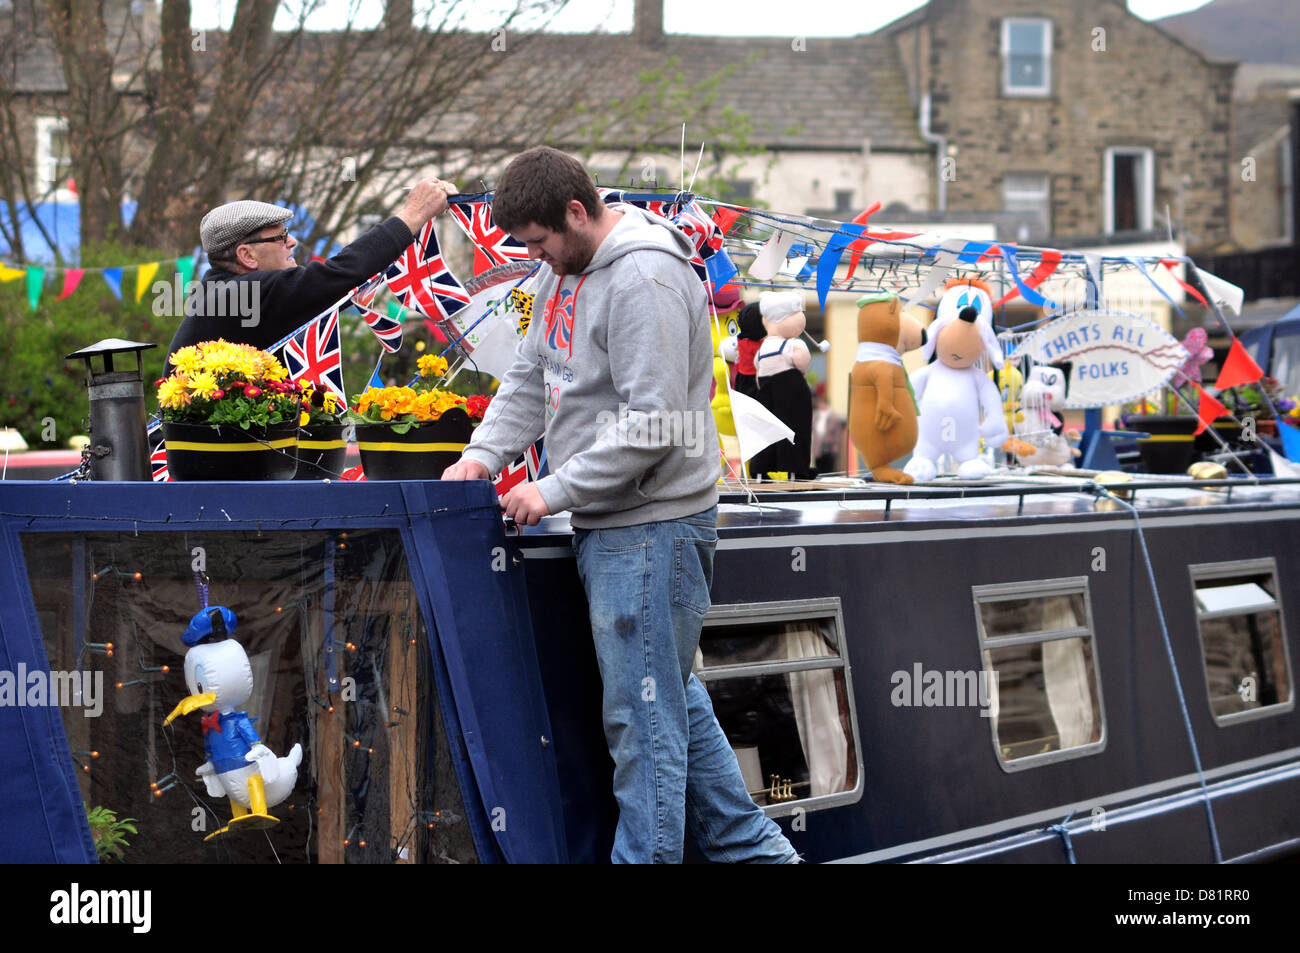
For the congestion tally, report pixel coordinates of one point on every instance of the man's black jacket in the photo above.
(290, 298)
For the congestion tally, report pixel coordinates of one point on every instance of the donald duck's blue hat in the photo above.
(209, 625)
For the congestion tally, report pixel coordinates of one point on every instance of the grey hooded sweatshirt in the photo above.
(615, 370)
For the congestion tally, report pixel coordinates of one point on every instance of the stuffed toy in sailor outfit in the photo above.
(239, 766)
(781, 363)
(958, 402)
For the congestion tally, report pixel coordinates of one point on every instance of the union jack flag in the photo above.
(700, 229)
(387, 329)
(313, 356)
(422, 280)
(491, 239)
(158, 456)
(525, 469)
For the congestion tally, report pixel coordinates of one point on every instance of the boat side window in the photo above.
(779, 681)
(1039, 653)
(1239, 615)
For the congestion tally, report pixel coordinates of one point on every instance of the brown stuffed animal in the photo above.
(882, 415)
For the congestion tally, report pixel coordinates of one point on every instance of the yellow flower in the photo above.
(204, 383)
(303, 418)
(432, 365)
(172, 393)
(186, 360)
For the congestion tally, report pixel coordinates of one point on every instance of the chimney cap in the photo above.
(109, 346)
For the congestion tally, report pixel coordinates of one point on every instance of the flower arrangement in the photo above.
(1254, 400)
(320, 407)
(217, 382)
(423, 401)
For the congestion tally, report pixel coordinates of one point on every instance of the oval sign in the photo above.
(1114, 357)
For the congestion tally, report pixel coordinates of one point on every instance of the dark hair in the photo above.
(538, 185)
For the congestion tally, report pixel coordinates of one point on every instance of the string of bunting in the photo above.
(72, 277)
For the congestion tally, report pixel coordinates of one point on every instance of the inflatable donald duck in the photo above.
(957, 400)
(239, 766)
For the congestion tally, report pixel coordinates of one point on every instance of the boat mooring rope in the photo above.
(1173, 665)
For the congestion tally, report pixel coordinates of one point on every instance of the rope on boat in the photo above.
(1173, 665)
(1063, 829)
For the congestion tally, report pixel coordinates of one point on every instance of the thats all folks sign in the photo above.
(1113, 357)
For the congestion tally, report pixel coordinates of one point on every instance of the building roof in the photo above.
(835, 94)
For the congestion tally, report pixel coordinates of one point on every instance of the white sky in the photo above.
(714, 17)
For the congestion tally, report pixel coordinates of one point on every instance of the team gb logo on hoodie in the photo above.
(559, 321)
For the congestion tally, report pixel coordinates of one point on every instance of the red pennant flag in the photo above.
(724, 218)
(71, 278)
(858, 247)
(1171, 264)
(1207, 409)
(435, 331)
(1238, 368)
(1051, 259)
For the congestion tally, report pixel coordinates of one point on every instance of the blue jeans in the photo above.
(648, 590)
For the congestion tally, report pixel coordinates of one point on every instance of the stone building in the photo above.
(1076, 115)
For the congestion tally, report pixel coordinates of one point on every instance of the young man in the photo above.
(255, 293)
(616, 374)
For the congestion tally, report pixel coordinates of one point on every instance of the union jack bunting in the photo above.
(422, 280)
(158, 456)
(700, 229)
(525, 469)
(495, 243)
(313, 356)
(387, 329)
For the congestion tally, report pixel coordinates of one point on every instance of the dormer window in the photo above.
(1026, 57)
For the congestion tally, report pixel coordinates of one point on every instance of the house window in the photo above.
(1247, 672)
(779, 682)
(1129, 184)
(1026, 57)
(843, 201)
(1029, 195)
(1039, 656)
(53, 159)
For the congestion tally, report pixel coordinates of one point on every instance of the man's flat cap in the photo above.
(227, 224)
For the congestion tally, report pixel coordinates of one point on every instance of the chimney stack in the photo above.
(397, 16)
(648, 25)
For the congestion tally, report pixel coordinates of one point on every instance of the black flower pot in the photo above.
(422, 453)
(1171, 446)
(322, 451)
(223, 452)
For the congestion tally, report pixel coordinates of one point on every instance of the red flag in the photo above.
(1171, 264)
(1207, 409)
(724, 218)
(71, 278)
(1238, 368)
(856, 248)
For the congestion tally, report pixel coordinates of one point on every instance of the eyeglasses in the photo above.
(282, 238)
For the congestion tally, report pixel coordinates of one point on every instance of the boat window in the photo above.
(1039, 657)
(780, 688)
(335, 640)
(1239, 614)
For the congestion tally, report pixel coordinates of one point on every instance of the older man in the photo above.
(255, 293)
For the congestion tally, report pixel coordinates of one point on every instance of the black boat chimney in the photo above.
(119, 446)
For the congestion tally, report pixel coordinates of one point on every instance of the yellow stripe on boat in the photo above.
(412, 447)
(231, 447)
(1171, 438)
